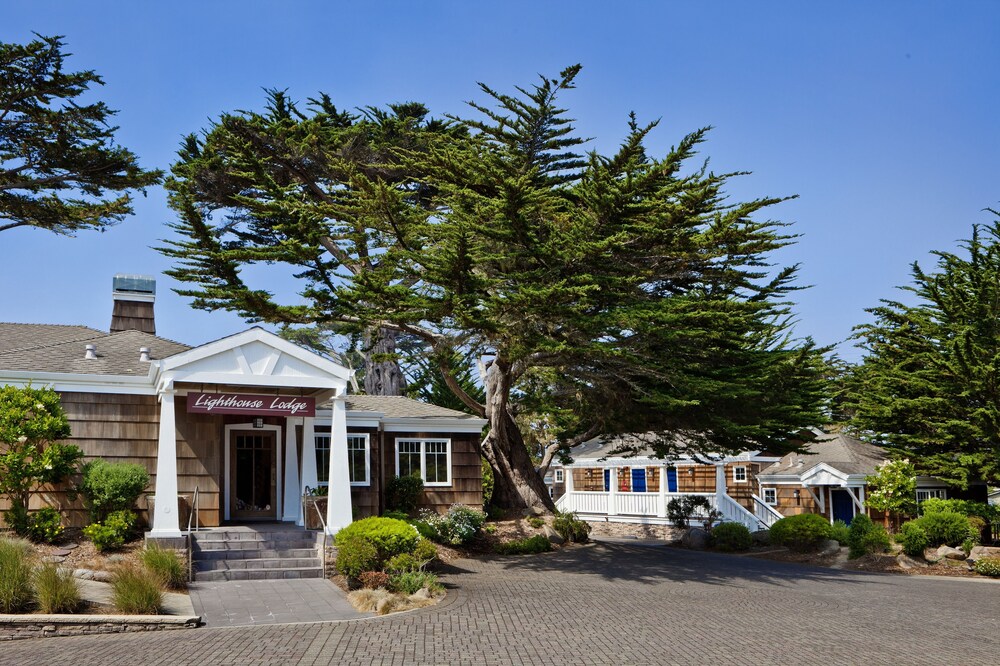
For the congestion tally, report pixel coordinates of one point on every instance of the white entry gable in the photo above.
(254, 357)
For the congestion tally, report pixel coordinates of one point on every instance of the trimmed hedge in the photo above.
(389, 535)
(732, 538)
(802, 533)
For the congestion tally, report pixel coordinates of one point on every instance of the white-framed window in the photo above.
(323, 459)
(928, 493)
(358, 459)
(559, 475)
(770, 496)
(430, 459)
(740, 474)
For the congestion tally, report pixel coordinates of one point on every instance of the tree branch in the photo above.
(552, 449)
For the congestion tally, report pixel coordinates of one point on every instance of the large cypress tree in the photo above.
(616, 292)
(60, 168)
(929, 385)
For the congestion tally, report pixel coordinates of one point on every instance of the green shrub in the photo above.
(402, 563)
(968, 545)
(402, 493)
(398, 515)
(424, 529)
(412, 582)
(113, 532)
(877, 540)
(946, 528)
(490, 528)
(732, 538)
(373, 580)
(680, 509)
(456, 527)
(56, 591)
(840, 532)
(15, 575)
(802, 533)
(110, 487)
(985, 511)
(535, 521)
(988, 566)
(860, 527)
(388, 535)
(425, 552)
(45, 525)
(571, 528)
(531, 545)
(912, 538)
(166, 565)
(356, 554)
(136, 592)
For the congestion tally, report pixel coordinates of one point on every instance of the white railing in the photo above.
(765, 513)
(734, 512)
(622, 503)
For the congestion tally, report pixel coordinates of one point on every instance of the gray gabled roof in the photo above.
(841, 452)
(56, 348)
(396, 407)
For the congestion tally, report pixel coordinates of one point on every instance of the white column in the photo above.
(338, 508)
(662, 508)
(292, 505)
(166, 521)
(310, 479)
(613, 491)
(720, 479)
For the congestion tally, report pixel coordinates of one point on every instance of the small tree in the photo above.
(31, 420)
(893, 489)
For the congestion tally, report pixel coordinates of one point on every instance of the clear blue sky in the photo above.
(882, 117)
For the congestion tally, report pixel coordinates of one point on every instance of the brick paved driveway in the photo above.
(608, 604)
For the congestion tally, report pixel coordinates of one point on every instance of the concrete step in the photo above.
(269, 563)
(254, 554)
(276, 535)
(258, 574)
(220, 545)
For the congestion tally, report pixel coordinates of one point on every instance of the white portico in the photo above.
(238, 413)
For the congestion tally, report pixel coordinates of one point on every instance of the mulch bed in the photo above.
(78, 553)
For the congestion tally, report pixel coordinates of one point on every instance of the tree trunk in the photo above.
(516, 483)
(382, 373)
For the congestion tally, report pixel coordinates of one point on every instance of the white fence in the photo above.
(650, 505)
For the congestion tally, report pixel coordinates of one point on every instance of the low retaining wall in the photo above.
(14, 627)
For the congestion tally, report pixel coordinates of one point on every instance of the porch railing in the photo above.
(734, 512)
(651, 505)
(765, 513)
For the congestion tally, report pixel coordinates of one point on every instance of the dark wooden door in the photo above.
(253, 475)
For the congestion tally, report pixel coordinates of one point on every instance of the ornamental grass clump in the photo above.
(56, 591)
(15, 575)
(571, 528)
(411, 582)
(166, 565)
(528, 546)
(136, 592)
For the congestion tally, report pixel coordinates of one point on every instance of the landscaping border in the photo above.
(16, 627)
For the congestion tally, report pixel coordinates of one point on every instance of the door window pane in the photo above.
(323, 458)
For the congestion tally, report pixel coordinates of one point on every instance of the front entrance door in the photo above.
(843, 506)
(253, 475)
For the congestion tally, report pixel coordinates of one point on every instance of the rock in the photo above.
(116, 559)
(71, 546)
(421, 594)
(907, 562)
(83, 574)
(829, 547)
(534, 511)
(552, 535)
(695, 538)
(57, 559)
(761, 537)
(931, 555)
(950, 553)
(103, 576)
(984, 551)
(62, 552)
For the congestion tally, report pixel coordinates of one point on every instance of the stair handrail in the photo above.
(765, 513)
(735, 512)
(190, 545)
(322, 521)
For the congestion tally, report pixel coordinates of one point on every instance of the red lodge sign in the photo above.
(247, 403)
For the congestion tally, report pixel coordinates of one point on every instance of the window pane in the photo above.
(323, 458)
(437, 462)
(357, 458)
(409, 458)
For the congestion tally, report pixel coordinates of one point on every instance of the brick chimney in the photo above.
(133, 297)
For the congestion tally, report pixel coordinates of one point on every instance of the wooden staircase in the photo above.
(265, 552)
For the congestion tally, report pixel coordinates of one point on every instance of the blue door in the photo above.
(638, 480)
(843, 506)
(607, 480)
(672, 480)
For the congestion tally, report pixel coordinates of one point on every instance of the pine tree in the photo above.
(59, 165)
(613, 292)
(929, 385)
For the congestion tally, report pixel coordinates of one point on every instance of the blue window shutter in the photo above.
(607, 480)
(672, 480)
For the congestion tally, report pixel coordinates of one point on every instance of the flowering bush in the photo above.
(113, 532)
(45, 525)
(456, 527)
(893, 488)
